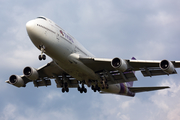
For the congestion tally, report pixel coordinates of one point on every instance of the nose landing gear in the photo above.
(42, 56)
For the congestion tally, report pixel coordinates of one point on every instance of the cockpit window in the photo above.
(42, 18)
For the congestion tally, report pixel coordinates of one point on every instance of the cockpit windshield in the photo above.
(42, 18)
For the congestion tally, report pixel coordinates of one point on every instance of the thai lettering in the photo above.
(66, 36)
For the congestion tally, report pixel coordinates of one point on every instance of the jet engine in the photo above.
(31, 73)
(167, 66)
(119, 64)
(16, 81)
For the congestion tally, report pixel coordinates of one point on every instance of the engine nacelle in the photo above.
(16, 81)
(31, 73)
(167, 66)
(119, 64)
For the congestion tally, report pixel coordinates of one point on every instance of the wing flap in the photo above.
(125, 77)
(114, 77)
(146, 89)
(150, 73)
(71, 83)
(38, 83)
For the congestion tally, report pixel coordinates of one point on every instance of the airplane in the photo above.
(73, 66)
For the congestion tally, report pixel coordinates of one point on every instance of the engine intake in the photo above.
(167, 66)
(119, 64)
(16, 81)
(31, 73)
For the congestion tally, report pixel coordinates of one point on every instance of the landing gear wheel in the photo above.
(44, 57)
(63, 90)
(85, 90)
(99, 89)
(81, 91)
(79, 88)
(40, 58)
(92, 87)
(94, 90)
(67, 89)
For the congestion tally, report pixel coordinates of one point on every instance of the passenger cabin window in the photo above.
(42, 18)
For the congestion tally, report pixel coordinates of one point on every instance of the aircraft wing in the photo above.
(152, 68)
(147, 68)
(104, 69)
(50, 70)
(47, 72)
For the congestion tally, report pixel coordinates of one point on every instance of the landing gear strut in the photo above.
(104, 81)
(104, 84)
(42, 56)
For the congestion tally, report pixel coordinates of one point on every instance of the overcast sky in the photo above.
(145, 29)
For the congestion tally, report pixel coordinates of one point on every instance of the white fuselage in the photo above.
(61, 47)
(64, 50)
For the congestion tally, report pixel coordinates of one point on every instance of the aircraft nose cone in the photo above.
(30, 26)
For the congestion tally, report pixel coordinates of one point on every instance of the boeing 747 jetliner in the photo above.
(72, 66)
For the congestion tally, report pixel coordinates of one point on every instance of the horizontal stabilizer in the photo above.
(146, 89)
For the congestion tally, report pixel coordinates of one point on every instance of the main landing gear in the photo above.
(64, 83)
(82, 89)
(42, 56)
(96, 87)
(65, 87)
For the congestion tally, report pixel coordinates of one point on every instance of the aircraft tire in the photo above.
(67, 89)
(79, 88)
(44, 57)
(85, 90)
(92, 87)
(81, 91)
(63, 90)
(99, 89)
(40, 58)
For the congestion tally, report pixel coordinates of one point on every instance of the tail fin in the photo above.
(133, 58)
(146, 89)
(130, 84)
